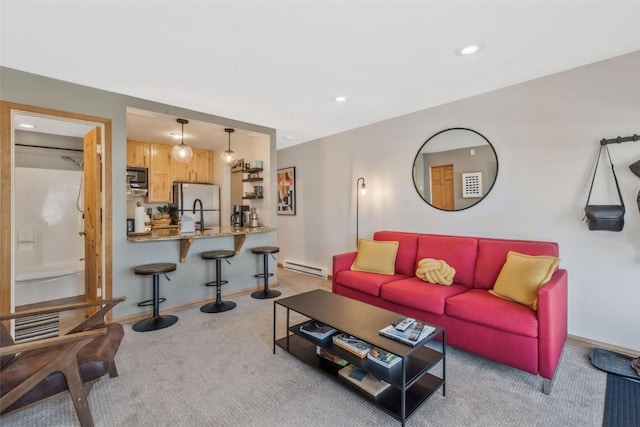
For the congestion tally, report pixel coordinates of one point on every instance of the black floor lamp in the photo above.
(363, 189)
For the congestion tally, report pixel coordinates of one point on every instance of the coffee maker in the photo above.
(237, 217)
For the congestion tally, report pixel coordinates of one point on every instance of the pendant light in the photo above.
(228, 156)
(181, 152)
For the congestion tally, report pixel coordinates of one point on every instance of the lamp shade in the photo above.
(181, 152)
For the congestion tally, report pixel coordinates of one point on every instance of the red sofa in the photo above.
(475, 320)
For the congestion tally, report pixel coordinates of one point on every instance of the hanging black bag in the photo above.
(605, 217)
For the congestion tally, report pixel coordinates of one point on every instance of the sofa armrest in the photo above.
(552, 322)
(341, 262)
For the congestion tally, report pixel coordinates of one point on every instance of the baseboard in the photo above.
(589, 343)
(329, 276)
(179, 307)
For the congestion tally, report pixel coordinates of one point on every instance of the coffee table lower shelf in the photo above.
(389, 400)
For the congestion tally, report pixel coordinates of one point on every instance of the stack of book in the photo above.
(317, 330)
(330, 356)
(352, 344)
(383, 357)
(405, 336)
(363, 380)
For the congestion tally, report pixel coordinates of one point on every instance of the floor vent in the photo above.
(320, 272)
(37, 327)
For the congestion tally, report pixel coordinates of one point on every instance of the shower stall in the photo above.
(49, 225)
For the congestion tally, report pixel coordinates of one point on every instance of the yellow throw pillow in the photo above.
(435, 271)
(376, 256)
(521, 277)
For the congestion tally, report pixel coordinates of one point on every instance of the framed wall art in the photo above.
(238, 166)
(287, 191)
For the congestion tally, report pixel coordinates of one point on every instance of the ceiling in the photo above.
(280, 64)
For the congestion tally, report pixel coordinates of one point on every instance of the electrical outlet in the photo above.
(99, 293)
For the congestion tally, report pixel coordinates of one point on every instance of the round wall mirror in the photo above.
(455, 169)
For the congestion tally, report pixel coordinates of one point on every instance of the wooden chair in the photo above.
(38, 370)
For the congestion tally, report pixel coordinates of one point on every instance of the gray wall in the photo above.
(186, 284)
(546, 134)
(482, 161)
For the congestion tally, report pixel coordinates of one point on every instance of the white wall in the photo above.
(546, 135)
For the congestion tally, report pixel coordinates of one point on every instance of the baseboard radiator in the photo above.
(298, 267)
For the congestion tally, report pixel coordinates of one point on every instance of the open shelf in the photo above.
(389, 400)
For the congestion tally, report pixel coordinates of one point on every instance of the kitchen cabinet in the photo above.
(198, 169)
(160, 174)
(138, 154)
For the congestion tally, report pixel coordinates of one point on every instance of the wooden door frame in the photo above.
(6, 174)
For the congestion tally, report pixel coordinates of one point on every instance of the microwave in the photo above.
(138, 177)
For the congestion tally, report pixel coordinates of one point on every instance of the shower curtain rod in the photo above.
(618, 140)
(51, 148)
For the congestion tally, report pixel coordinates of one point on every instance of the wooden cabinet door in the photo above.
(160, 174)
(182, 171)
(138, 154)
(203, 165)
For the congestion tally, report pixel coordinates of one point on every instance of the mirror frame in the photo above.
(486, 193)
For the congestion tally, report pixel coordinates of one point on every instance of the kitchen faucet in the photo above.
(195, 202)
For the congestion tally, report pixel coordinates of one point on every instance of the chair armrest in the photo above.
(48, 342)
(552, 322)
(341, 262)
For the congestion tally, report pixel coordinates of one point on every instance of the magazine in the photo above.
(352, 344)
(317, 329)
(383, 357)
(363, 380)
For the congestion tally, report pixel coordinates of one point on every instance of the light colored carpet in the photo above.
(219, 370)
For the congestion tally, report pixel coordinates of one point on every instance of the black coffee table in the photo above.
(411, 381)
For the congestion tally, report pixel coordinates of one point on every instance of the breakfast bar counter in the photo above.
(240, 234)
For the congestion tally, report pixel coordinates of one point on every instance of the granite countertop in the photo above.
(209, 232)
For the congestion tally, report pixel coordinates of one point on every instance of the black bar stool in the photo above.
(265, 251)
(157, 321)
(218, 306)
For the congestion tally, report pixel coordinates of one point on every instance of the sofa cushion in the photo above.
(415, 293)
(376, 257)
(479, 306)
(368, 283)
(492, 254)
(407, 247)
(522, 275)
(458, 252)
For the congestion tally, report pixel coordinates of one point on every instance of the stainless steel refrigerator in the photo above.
(185, 194)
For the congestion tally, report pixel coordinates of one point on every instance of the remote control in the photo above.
(397, 321)
(402, 326)
(415, 332)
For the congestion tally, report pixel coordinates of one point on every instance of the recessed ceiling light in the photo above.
(339, 98)
(175, 135)
(468, 50)
(27, 126)
(288, 137)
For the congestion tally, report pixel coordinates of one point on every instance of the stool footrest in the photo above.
(215, 283)
(262, 275)
(150, 302)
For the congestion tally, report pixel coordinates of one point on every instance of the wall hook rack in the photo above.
(618, 140)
